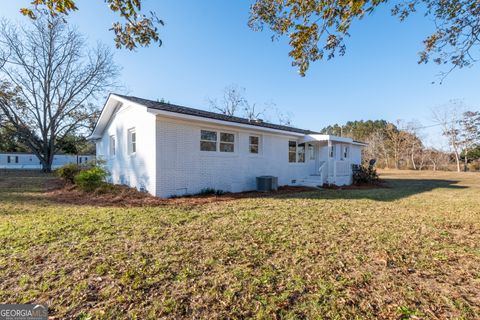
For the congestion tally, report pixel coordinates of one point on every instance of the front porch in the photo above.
(330, 161)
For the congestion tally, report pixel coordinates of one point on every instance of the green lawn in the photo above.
(409, 251)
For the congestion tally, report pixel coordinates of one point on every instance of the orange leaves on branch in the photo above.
(137, 29)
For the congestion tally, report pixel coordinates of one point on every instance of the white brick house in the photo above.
(170, 150)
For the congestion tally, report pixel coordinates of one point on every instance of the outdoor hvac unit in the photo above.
(267, 183)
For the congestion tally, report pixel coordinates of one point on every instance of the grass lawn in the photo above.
(408, 251)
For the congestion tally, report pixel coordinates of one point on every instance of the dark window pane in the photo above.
(301, 157)
(292, 157)
(208, 146)
(227, 137)
(226, 147)
(208, 135)
(134, 137)
(253, 148)
(253, 140)
(292, 146)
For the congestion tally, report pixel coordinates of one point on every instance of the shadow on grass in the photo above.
(394, 189)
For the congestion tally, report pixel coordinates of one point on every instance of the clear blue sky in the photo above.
(207, 45)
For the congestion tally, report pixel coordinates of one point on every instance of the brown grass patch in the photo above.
(411, 251)
(123, 196)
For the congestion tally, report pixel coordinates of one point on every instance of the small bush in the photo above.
(68, 172)
(211, 191)
(91, 179)
(365, 175)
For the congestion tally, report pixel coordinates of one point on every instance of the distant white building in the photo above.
(169, 150)
(29, 161)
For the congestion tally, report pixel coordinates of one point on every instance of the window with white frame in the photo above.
(254, 144)
(217, 141)
(301, 152)
(346, 152)
(332, 151)
(112, 146)
(132, 141)
(208, 140)
(227, 142)
(292, 151)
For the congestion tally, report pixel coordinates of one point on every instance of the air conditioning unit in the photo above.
(267, 183)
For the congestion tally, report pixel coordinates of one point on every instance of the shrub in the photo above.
(91, 179)
(211, 191)
(365, 175)
(68, 172)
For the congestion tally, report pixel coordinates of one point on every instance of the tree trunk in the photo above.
(457, 160)
(466, 161)
(413, 161)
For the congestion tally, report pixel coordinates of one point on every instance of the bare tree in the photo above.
(233, 101)
(51, 82)
(284, 118)
(413, 143)
(252, 112)
(376, 148)
(437, 158)
(449, 118)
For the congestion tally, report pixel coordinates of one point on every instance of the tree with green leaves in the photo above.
(470, 134)
(317, 29)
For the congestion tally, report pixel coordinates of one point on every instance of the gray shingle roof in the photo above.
(210, 115)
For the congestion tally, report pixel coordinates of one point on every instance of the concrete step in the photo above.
(309, 182)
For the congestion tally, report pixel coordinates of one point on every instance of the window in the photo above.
(346, 152)
(16, 159)
(311, 152)
(254, 143)
(208, 140)
(332, 151)
(292, 151)
(8, 159)
(132, 141)
(227, 142)
(80, 160)
(301, 152)
(112, 146)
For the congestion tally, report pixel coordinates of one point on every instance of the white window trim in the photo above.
(112, 147)
(130, 141)
(289, 152)
(345, 149)
(259, 145)
(332, 151)
(218, 141)
(305, 153)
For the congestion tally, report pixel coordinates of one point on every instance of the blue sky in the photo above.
(207, 45)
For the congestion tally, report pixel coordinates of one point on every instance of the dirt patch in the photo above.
(122, 196)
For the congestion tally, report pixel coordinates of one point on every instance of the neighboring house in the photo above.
(169, 150)
(29, 161)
